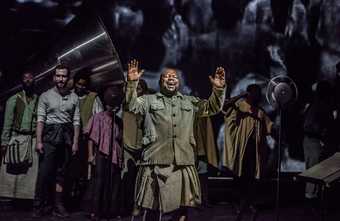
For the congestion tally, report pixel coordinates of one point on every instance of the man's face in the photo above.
(60, 78)
(113, 97)
(170, 81)
(27, 80)
(81, 87)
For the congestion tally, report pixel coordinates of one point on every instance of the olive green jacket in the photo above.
(132, 131)
(168, 135)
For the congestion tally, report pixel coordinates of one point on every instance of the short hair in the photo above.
(163, 72)
(252, 87)
(113, 94)
(82, 74)
(169, 67)
(63, 66)
(26, 72)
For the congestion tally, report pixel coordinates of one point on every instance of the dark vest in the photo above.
(20, 109)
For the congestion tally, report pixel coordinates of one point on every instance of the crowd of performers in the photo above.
(138, 151)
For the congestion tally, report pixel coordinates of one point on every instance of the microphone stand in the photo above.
(277, 203)
(282, 96)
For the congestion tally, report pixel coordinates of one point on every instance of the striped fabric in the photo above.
(19, 150)
(19, 186)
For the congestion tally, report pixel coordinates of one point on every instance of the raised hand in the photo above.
(134, 73)
(218, 80)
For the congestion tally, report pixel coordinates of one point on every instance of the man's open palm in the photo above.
(134, 73)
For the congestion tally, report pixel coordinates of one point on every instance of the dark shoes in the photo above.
(254, 212)
(37, 213)
(60, 211)
(252, 209)
(94, 217)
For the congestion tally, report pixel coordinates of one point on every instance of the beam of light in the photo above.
(41, 75)
(81, 45)
(45, 72)
(69, 52)
(108, 64)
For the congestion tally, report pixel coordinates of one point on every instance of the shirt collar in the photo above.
(23, 96)
(178, 94)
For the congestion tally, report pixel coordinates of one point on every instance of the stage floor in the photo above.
(293, 206)
(220, 212)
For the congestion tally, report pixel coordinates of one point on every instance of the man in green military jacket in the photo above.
(20, 123)
(167, 180)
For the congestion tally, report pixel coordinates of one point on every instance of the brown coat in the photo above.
(239, 125)
(205, 140)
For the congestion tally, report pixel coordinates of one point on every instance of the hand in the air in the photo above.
(218, 80)
(134, 72)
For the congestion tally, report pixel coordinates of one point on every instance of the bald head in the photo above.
(169, 81)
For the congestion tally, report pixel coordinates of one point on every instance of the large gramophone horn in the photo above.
(84, 44)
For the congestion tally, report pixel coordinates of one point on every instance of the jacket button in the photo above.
(174, 115)
(174, 136)
(175, 125)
